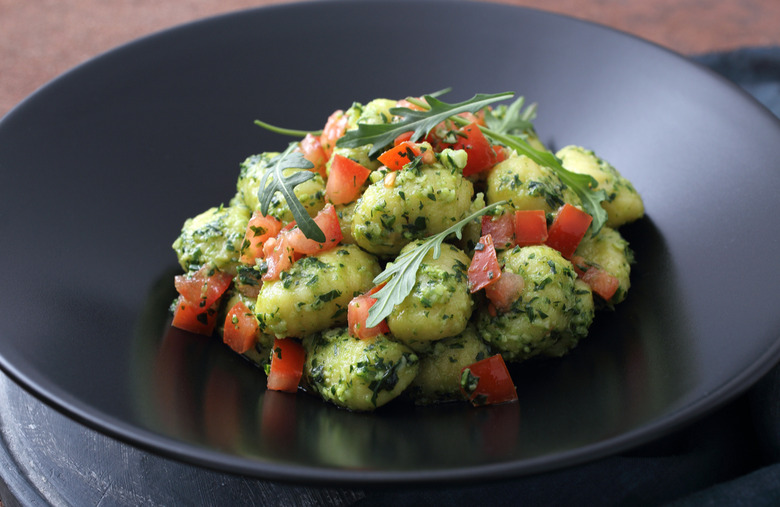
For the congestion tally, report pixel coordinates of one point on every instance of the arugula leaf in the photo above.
(512, 119)
(274, 181)
(401, 274)
(420, 122)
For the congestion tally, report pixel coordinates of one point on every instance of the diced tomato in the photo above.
(312, 150)
(487, 382)
(404, 152)
(287, 358)
(278, 256)
(345, 180)
(289, 226)
(437, 135)
(334, 128)
(501, 229)
(481, 155)
(501, 154)
(406, 136)
(193, 318)
(601, 282)
(203, 288)
(240, 331)
(568, 229)
(530, 227)
(328, 221)
(357, 314)
(484, 268)
(478, 117)
(258, 230)
(505, 291)
(399, 155)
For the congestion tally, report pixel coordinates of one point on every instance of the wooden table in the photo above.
(43, 38)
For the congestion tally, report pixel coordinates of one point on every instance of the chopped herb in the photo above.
(417, 227)
(329, 296)
(468, 381)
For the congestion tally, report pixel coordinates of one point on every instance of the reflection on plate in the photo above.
(101, 166)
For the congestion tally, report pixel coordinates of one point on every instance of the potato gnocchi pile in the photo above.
(408, 250)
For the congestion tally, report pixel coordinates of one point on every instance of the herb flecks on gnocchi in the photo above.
(409, 250)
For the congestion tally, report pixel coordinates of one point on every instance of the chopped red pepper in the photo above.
(240, 331)
(279, 256)
(286, 370)
(601, 282)
(357, 314)
(345, 180)
(501, 229)
(258, 230)
(568, 229)
(530, 227)
(481, 155)
(484, 268)
(487, 382)
(191, 317)
(312, 150)
(505, 291)
(204, 287)
(327, 220)
(399, 155)
(334, 128)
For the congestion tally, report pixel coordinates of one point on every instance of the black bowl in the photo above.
(101, 167)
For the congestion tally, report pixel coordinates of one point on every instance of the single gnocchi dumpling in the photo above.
(527, 186)
(552, 314)
(609, 251)
(313, 295)
(213, 236)
(310, 193)
(411, 204)
(623, 203)
(377, 112)
(440, 369)
(439, 304)
(357, 374)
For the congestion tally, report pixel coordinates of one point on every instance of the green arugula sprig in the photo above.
(285, 131)
(513, 120)
(274, 180)
(419, 122)
(401, 274)
(584, 185)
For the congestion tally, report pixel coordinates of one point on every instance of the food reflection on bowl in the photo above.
(204, 393)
